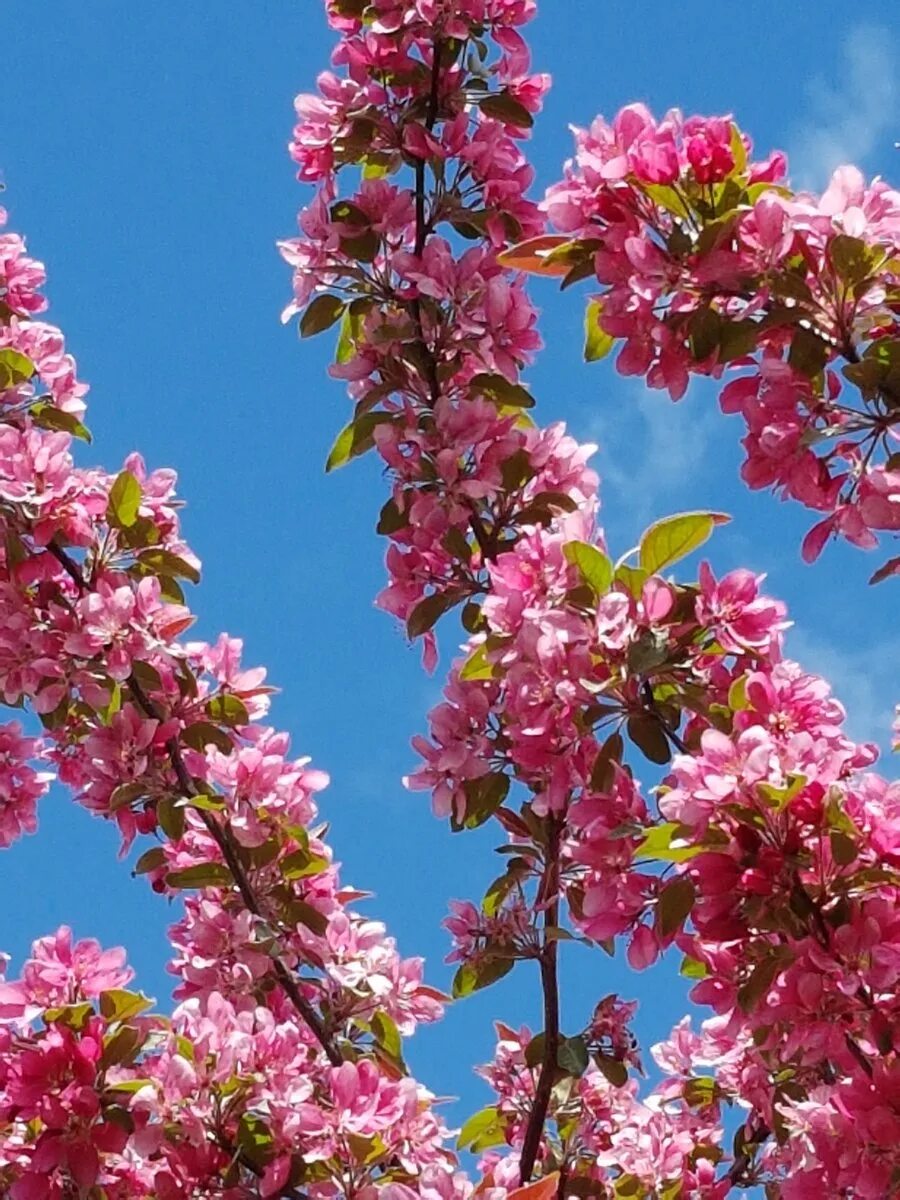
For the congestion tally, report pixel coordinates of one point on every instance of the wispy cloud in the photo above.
(853, 112)
(864, 679)
(650, 449)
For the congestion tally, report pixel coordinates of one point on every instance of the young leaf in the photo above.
(530, 256)
(48, 416)
(669, 540)
(662, 845)
(164, 562)
(543, 1189)
(124, 500)
(226, 709)
(595, 567)
(483, 1130)
(477, 666)
(119, 1005)
(15, 368)
(597, 342)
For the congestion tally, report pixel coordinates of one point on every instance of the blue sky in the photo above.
(144, 156)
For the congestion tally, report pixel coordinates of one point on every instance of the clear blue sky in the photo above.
(144, 156)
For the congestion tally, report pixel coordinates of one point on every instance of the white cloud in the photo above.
(851, 114)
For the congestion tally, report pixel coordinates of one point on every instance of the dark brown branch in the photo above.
(219, 835)
(549, 896)
(737, 1173)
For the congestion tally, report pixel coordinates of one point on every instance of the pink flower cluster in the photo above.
(711, 265)
(761, 859)
(282, 1067)
(604, 1131)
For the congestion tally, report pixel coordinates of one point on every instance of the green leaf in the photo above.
(673, 538)
(501, 887)
(534, 1051)
(501, 391)
(674, 906)
(543, 507)
(700, 1091)
(483, 797)
(597, 342)
(391, 520)
(650, 738)
(355, 439)
(483, 1130)
(119, 1005)
(428, 612)
(477, 666)
(844, 849)
(516, 470)
(226, 709)
(48, 416)
(613, 1068)
(164, 562)
(150, 860)
(661, 844)
(387, 1035)
(780, 798)
(15, 368)
(254, 1138)
(121, 1046)
(203, 803)
(633, 578)
(705, 329)
(603, 770)
(809, 353)
(129, 1085)
(126, 794)
(853, 259)
(321, 315)
(124, 500)
(301, 864)
(302, 913)
(351, 330)
(170, 818)
(202, 734)
(692, 968)
(595, 567)
(75, 1016)
(472, 977)
(501, 106)
(200, 875)
(572, 1056)
(761, 979)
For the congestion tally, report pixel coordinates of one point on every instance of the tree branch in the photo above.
(218, 833)
(548, 895)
